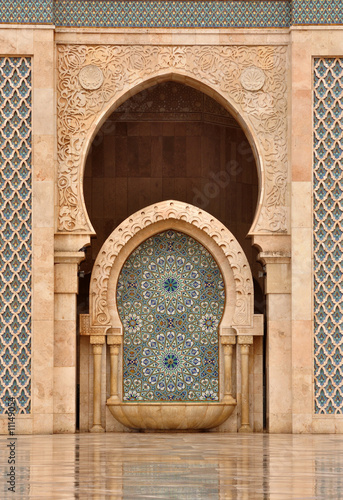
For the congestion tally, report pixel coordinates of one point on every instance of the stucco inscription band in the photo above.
(219, 68)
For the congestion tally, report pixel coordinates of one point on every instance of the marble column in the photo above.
(228, 342)
(97, 341)
(114, 341)
(245, 341)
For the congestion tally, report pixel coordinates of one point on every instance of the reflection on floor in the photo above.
(201, 466)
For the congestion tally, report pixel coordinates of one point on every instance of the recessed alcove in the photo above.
(168, 142)
(171, 141)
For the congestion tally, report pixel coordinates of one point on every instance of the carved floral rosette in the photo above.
(264, 112)
(243, 314)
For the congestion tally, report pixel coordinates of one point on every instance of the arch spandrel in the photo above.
(250, 81)
(186, 218)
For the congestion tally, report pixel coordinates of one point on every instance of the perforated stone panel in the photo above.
(328, 235)
(170, 299)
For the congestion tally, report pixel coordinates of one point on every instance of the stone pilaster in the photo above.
(65, 340)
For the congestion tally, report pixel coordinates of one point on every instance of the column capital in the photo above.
(274, 257)
(245, 339)
(87, 329)
(69, 257)
(114, 340)
(228, 340)
(97, 339)
(277, 271)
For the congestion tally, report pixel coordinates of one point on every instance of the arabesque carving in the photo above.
(158, 212)
(218, 67)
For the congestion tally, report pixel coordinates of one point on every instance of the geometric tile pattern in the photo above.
(26, 11)
(170, 298)
(317, 12)
(166, 13)
(206, 14)
(328, 235)
(15, 232)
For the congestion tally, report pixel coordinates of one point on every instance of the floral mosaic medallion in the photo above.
(170, 298)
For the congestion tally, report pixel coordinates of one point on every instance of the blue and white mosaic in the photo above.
(15, 232)
(170, 298)
(328, 235)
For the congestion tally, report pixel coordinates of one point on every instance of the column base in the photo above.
(245, 428)
(97, 428)
(228, 399)
(113, 400)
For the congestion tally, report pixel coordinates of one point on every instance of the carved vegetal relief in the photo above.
(233, 72)
(159, 212)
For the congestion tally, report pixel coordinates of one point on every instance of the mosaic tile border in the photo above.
(328, 235)
(187, 14)
(27, 11)
(321, 12)
(15, 232)
(169, 14)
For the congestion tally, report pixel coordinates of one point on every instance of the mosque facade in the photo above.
(171, 215)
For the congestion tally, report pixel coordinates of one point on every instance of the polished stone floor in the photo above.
(174, 466)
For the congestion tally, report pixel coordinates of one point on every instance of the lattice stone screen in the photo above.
(15, 232)
(170, 298)
(328, 235)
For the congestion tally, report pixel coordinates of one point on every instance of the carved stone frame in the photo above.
(250, 81)
(193, 221)
(238, 318)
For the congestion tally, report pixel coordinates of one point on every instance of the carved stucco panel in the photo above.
(218, 67)
(162, 211)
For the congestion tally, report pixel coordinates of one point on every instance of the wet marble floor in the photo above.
(202, 466)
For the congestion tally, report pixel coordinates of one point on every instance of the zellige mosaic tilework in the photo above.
(317, 12)
(27, 11)
(169, 14)
(328, 235)
(170, 298)
(155, 13)
(15, 232)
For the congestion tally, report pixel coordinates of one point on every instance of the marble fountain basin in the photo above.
(171, 416)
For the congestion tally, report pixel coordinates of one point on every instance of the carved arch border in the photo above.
(220, 71)
(173, 211)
